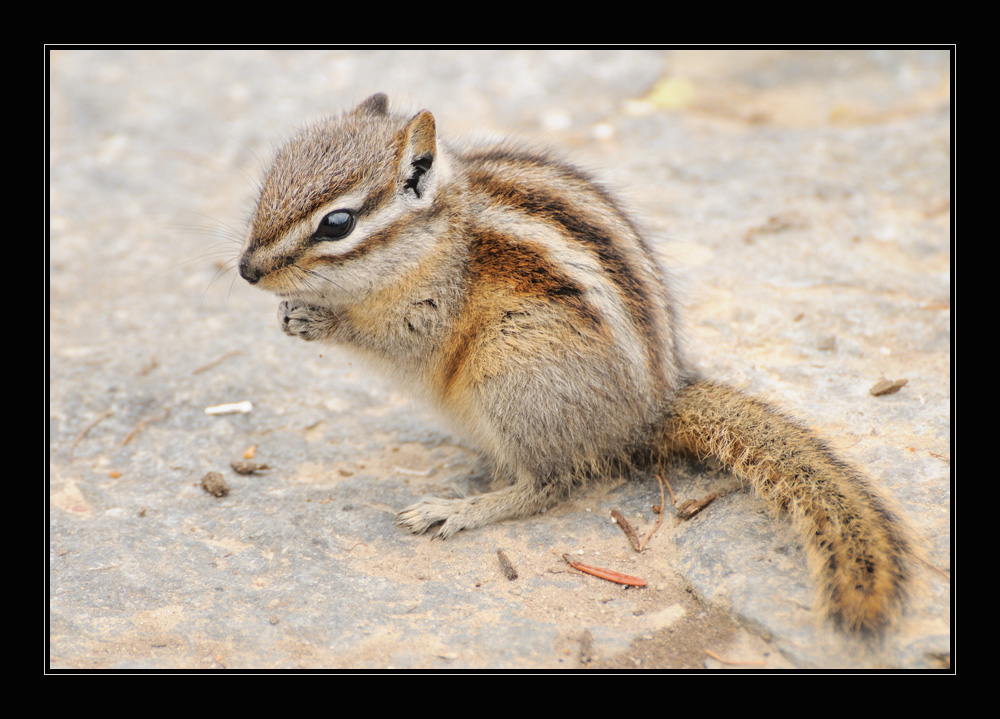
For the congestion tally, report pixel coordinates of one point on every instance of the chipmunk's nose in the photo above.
(248, 271)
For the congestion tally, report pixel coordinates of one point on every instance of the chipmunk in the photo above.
(514, 293)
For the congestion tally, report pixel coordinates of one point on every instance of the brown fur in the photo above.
(858, 550)
(511, 291)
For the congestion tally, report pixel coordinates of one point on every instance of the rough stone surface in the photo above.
(802, 203)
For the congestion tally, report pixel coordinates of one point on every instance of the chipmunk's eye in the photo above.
(334, 226)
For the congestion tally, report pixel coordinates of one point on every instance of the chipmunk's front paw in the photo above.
(307, 322)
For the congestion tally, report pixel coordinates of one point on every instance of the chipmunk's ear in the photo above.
(377, 104)
(420, 151)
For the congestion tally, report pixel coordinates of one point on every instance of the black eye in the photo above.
(336, 225)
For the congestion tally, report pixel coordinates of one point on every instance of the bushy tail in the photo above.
(858, 549)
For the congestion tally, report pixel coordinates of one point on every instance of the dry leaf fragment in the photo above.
(887, 386)
(245, 466)
(692, 506)
(717, 658)
(506, 566)
(626, 527)
(214, 484)
(610, 575)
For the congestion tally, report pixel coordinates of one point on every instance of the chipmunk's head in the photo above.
(336, 197)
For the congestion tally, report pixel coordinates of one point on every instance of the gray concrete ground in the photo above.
(802, 201)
